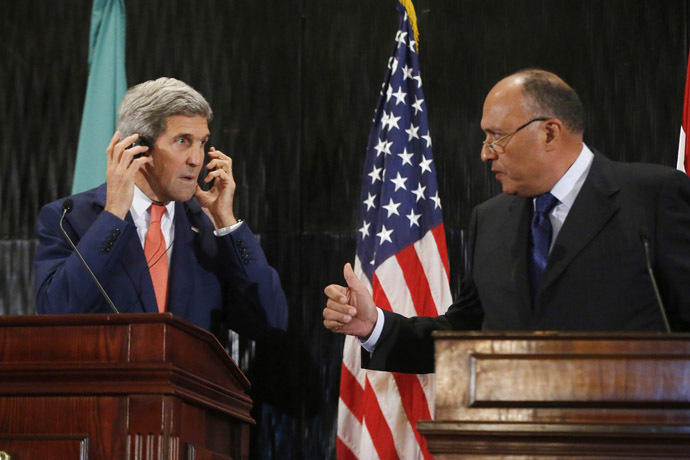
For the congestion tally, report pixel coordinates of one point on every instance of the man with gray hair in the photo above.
(565, 247)
(153, 237)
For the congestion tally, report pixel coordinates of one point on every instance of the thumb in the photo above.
(352, 281)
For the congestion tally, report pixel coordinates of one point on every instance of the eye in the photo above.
(498, 136)
(181, 140)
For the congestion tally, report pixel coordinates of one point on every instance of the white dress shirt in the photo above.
(567, 188)
(141, 215)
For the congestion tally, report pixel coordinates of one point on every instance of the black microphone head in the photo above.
(67, 205)
(644, 235)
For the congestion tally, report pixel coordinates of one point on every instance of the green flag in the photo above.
(104, 91)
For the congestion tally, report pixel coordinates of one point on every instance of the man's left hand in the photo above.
(217, 202)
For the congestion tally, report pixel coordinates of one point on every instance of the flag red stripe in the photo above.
(343, 452)
(351, 392)
(376, 423)
(380, 298)
(439, 233)
(416, 281)
(415, 404)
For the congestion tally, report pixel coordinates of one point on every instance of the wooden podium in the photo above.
(560, 395)
(114, 387)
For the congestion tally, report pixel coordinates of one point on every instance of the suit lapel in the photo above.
(592, 209)
(133, 262)
(179, 290)
(518, 224)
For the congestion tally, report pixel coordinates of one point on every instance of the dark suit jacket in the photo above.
(214, 282)
(595, 279)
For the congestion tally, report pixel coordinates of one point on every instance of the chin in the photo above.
(183, 194)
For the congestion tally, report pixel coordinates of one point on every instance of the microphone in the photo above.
(67, 206)
(645, 241)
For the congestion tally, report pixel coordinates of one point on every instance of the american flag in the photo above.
(684, 142)
(401, 257)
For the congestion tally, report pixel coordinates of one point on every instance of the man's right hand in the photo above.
(120, 173)
(350, 310)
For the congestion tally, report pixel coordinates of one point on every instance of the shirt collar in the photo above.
(141, 204)
(568, 186)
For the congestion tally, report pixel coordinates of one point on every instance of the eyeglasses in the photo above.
(495, 148)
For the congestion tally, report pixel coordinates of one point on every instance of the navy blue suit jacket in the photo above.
(214, 282)
(596, 276)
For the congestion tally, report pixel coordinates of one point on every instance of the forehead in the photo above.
(503, 107)
(195, 126)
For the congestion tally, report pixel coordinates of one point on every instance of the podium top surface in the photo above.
(557, 335)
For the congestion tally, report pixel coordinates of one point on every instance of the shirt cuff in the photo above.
(370, 344)
(226, 230)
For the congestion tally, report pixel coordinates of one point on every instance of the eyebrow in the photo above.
(191, 136)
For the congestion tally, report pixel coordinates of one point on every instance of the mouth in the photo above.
(188, 178)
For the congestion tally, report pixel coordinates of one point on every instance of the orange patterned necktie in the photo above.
(157, 257)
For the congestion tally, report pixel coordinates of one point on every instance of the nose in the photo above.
(196, 155)
(487, 154)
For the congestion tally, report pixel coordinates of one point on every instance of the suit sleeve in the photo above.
(63, 285)
(255, 301)
(406, 344)
(672, 250)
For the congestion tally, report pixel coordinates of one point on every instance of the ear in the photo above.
(554, 130)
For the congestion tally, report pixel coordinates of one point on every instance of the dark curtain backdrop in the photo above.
(293, 85)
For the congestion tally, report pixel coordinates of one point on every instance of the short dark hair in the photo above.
(550, 96)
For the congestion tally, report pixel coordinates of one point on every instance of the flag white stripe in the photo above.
(352, 358)
(430, 258)
(428, 383)
(393, 284)
(366, 446)
(681, 151)
(388, 396)
(350, 430)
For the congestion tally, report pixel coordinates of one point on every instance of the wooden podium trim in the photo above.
(532, 381)
(449, 440)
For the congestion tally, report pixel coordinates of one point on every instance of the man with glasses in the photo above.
(563, 248)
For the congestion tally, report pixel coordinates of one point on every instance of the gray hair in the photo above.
(146, 106)
(549, 95)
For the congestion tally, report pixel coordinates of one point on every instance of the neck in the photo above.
(143, 184)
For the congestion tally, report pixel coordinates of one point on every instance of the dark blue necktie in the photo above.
(541, 237)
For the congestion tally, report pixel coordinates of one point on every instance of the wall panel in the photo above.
(293, 85)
